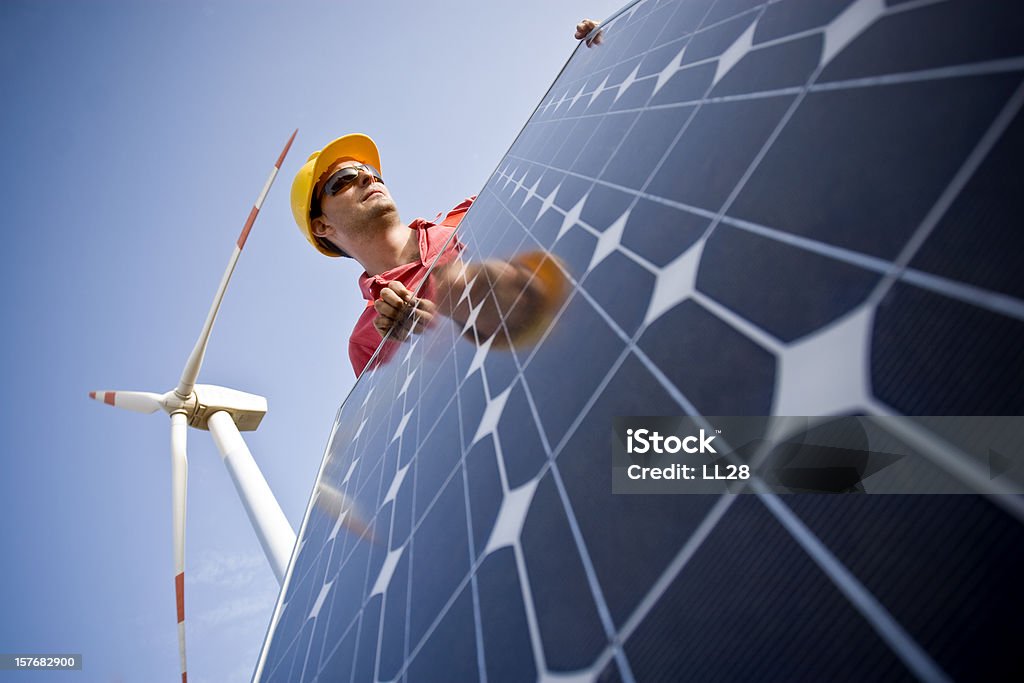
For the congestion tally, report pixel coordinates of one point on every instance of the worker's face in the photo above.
(356, 206)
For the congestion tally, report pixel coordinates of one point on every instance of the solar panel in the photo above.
(800, 207)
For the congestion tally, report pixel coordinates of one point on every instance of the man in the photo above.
(344, 209)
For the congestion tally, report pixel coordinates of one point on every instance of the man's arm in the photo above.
(521, 294)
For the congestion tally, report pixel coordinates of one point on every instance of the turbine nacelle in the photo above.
(246, 410)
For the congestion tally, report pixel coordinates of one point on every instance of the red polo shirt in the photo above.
(433, 238)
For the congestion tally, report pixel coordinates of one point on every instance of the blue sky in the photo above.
(136, 137)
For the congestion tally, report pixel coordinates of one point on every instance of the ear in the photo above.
(321, 228)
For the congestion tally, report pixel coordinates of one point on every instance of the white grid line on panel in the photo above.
(411, 546)
(590, 572)
(668, 576)
(954, 461)
(309, 647)
(328, 653)
(383, 614)
(951, 192)
(477, 619)
(526, 591)
(359, 635)
(1002, 304)
(471, 546)
(885, 625)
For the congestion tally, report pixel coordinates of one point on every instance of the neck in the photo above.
(393, 246)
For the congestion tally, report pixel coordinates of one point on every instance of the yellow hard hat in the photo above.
(356, 146)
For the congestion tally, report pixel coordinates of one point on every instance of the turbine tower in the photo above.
(225, 413)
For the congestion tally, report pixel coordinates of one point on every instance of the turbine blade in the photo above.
(179, 487)
(139, 401)
(195, 360)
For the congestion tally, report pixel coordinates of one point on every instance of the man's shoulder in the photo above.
(453, 217)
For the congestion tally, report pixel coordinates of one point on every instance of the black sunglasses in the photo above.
(343, 176)
(338, 181)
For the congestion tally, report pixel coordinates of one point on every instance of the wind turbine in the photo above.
(225, 413)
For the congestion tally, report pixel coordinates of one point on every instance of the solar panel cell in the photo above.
(928, 357)
(786, 65)
(991, 254)
(716, 148)
(723, 371)
(787, 291)
(450, 652)
(792, 17)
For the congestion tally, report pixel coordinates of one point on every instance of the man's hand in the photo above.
(398, 310)
(585, 27)
(489, 286)
(520, 295)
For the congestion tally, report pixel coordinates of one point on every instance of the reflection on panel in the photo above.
(726, 208)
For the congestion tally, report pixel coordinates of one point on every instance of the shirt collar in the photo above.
(430, 245)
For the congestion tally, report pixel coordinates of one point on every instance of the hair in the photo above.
(314, 213)
(329, 246)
